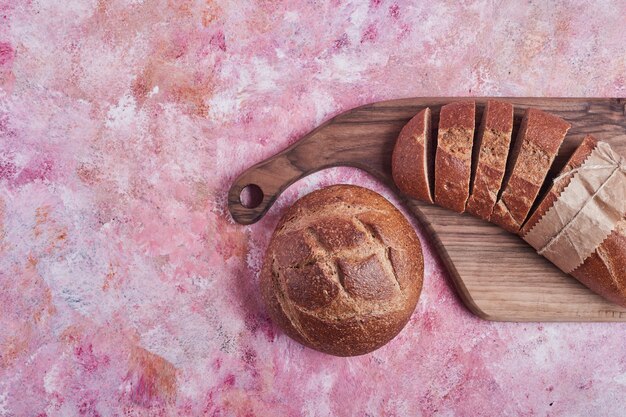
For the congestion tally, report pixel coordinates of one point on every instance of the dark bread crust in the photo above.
(538, 142)
(453, 161)
(604, 271)
(354, 274)
(493, 142)
(409, 161)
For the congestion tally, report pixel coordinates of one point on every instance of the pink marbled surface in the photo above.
(126, 288)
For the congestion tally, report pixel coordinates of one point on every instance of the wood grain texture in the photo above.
(498, 276)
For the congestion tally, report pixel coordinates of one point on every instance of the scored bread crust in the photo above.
(453, 160)
(492, 144)
(409, 161)
(343, 271)
(604, 271)
(540, 137)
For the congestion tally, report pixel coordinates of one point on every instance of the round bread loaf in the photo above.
(343, 271)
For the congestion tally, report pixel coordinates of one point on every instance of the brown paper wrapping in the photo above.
(585, 213)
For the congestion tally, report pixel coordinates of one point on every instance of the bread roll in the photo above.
(492, 150)
(453, 161)
(536, 146)
(343, 271)
(412, 155)
(604, 271)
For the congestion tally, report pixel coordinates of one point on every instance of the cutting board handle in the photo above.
(344, 140)
(262, 183)
(265, 181)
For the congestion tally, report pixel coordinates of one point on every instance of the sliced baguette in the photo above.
(575, 161)
(537, 144)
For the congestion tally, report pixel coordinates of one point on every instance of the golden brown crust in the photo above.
(604, 271)
(536, 146)
(343, 271)
(493, 142)
(453, 161)
(409, 161)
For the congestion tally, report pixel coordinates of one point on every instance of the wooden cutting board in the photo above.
(498, 276)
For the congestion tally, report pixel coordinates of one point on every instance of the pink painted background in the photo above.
(127, 289)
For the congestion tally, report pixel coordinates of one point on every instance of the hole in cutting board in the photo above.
(251, 196)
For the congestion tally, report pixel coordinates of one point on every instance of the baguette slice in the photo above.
(604, 271)
(575, 161)
(410, 162)
(537, 144)
(493, 142)
(453, 161)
